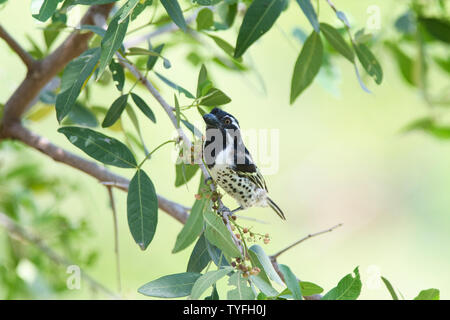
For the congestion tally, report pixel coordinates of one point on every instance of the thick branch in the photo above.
(21, 233)
(18, 132)
(24, 55)
(43, 71)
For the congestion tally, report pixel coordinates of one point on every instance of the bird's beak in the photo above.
(211, 121)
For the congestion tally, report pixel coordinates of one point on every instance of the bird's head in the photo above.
(219, 119)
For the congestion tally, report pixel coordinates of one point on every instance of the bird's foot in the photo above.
(236, 210)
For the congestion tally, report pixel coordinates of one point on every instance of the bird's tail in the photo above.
(275, 208)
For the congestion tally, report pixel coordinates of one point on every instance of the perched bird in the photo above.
(231, 165)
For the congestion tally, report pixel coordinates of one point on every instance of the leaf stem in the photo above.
(151, 152)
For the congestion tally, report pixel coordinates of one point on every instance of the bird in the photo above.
(230, 164)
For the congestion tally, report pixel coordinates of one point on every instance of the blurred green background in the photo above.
(343, 159)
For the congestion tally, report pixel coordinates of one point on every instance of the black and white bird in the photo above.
(231, 165)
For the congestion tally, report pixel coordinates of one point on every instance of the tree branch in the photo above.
(42, 71)
(18, 132)
(21, 233)
(27, 59)
(116, 236)
(309, 236)
(273, 258)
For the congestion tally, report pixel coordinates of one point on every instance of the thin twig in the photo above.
(116, 236)
(26, 58)
(18, 231)
(309, 236)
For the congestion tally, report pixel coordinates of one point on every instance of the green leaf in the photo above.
(337, 41)
(205, 19)
(266, 263)
(214, 294)
(140, 103)
(200, 257)
(75, 75)
(112, 41)
(438, 28)
(218, 234)
(307, 65)
(259, 18)
(142, 209)
(207, 280)
(217, 256)
(227, 13)
(255, 261)
(118, 74)
(193, 226)
(406, 23)
(115, 111)
(177, 111)
(429, 126)
(184, 173)
(175, 86)
(202, 78)
(100, 147)
(307, 289)
(128, 8)
(47, 9)
(310, 14)
(207, 2)
(152, 59)
(225, 46)
(94, 2)
(214, 97)
(140, 8)
(369, 62)
(52, 31)
(96, 29)
(348, 288)
(291, 281)
(404, 63)
(174, 11)
(430, 294)
(82, 116)
(263, 286)
(242, 290)
(171, 286)
(390, 288)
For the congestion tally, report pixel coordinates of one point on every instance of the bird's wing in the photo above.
(251, 171)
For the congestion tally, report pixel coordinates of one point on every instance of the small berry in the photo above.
(266, 241)
(238, 260)
(233, 228)
(238, 235)
(252, 234)
(266, 235)
(233, 264)
(245, 230)
(245, 274)
(198, 196)
(234, 218)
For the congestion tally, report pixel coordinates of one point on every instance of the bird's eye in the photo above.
(227, 121)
